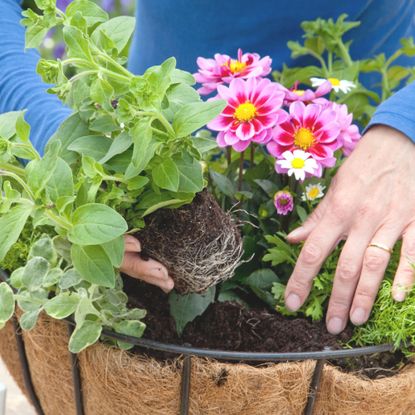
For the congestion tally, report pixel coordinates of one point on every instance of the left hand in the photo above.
(371, 201)
(150, 271)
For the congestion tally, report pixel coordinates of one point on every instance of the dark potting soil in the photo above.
(229, 326)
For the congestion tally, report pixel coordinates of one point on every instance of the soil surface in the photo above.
(229, 326)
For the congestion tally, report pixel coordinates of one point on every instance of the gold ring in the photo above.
(380, 246)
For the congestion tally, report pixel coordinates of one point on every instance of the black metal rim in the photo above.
(188, 352)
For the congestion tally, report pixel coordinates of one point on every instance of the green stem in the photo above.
(114, 75)
(228, 155)
(241, 170)
(321, 60)
(121, 68)
(161, 118)
(81, 74)
(330, 61)
(345, 54)
(393, 58)
(18, 180)
(386, 92)
(14, 169)
(57, 219)
(29, 148)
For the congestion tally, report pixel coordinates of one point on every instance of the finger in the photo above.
(131, 244)
(374, 266)
(404, 278)
(300, 234)
(345, 280)
(316, 249)
(149, 271)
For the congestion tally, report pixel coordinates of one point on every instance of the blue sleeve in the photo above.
(20, 86)
(398, 112)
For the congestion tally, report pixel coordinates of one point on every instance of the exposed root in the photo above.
(199, 243)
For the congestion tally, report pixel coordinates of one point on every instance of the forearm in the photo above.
(20, 86)
(398, 112)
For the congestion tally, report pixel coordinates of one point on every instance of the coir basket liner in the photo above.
(117, 382)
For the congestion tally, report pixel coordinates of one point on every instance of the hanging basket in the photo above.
(105, 380)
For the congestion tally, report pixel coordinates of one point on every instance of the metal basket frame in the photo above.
(187, 352)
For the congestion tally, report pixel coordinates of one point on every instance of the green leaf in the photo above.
(6, 303)
(11, 225)
(39, 172)
(36, 30)
(226, 187)
(144, 145)
(95, 146)
(193, 116)
(8, 123)
(120, 144)
(261, 282)
(28, 319)
(119, 30)
(60, 183)
(85, 335)
(44, 248)
(77, 43)
(166, 175)
(102, 92)
(93, 264)
(71, 129)
(34, 273)
(204, 144)
(90, 11)
(16, 278)
(185, 308)
(62, 306)
(69, 279)
(95, 223)
(52, 277)
(115, 251)
(178, 77)
(132, 328)
(190, 175)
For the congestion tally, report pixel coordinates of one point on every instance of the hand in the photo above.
(371, 200)
(149, 271)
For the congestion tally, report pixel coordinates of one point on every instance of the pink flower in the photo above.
(349, 133)
(222, 69)
(284, 202)
(254, 107)
(306, 95)
(311, 128)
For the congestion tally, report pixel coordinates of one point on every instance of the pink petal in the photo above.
(241, 146)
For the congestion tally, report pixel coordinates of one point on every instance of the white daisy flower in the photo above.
(337, 84)
(313, 192)
(298, 163)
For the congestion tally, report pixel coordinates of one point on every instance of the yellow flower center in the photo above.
(298, 163)
(236, 66)
(334, 81)
(313, 193)
(245, 112)
(299, 92)
(304, 138)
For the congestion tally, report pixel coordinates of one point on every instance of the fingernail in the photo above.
(359, 316)
(293, 302)
(335, 325)
(295, 233)
(399, 295)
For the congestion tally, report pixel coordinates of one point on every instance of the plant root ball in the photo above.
(198, 243)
